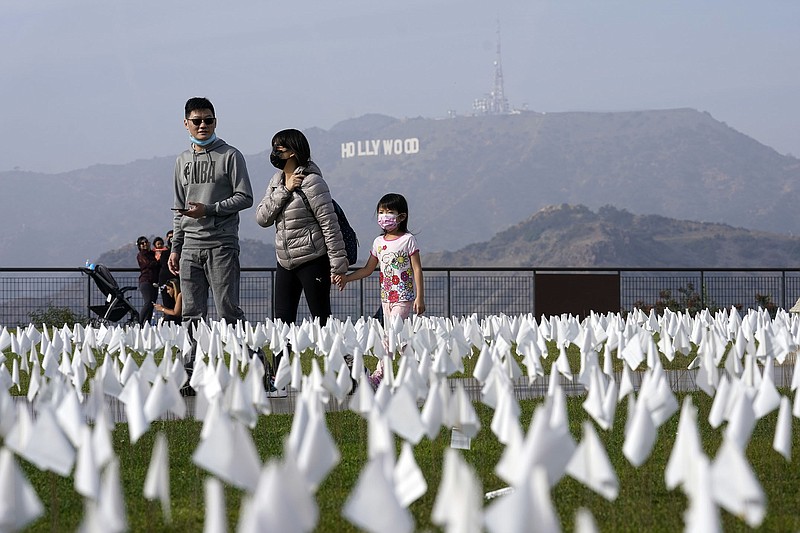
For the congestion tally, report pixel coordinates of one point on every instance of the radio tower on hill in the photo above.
(494, 103)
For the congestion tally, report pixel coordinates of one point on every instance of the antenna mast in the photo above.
(494, 103)
(499, 103)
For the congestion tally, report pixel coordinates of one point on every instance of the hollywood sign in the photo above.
(380, 147)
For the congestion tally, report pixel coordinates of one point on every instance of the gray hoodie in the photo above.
(217, 177)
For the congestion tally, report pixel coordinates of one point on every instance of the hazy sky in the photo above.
(99, 81)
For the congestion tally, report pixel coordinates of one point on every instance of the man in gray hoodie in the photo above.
(211, 187)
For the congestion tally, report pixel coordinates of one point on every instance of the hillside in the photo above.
(575, 236)
(466, 179)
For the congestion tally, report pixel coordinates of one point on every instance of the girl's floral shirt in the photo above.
(394, 259)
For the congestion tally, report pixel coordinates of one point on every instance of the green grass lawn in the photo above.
(644, 503)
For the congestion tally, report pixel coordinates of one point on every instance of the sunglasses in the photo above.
(208, 121)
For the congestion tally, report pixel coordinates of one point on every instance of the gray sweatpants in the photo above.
(217, 268)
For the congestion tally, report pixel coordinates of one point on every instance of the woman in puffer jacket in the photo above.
(308, 241)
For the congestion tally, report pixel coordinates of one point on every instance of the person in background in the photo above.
(164, 275)
(401, 280)
(172, 313)
(148, 278)
(158, 250)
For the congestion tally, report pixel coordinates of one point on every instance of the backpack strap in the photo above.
(305, 201)
(308, 205)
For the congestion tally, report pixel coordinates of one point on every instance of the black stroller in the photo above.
(116, 306)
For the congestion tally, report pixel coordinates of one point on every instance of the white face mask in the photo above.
(387, 221)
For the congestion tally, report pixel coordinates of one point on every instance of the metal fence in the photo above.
(26, 292)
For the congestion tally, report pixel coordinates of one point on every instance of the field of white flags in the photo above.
(504, 424)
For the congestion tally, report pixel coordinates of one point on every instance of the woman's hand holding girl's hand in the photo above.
(339, 280)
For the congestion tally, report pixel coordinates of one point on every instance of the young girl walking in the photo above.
(397, 253)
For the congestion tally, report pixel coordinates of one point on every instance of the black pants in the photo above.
(313, 279)
(149, 295)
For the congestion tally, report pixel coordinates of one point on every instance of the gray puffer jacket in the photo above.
(300, 235)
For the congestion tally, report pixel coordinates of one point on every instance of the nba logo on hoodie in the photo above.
(203, 171)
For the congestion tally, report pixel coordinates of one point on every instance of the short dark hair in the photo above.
(395, 202)
(141, 240)
(198, 102)
(295, 141)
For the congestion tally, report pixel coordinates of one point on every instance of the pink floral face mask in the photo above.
(387, 221)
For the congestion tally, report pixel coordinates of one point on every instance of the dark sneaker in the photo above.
(186, 389)
(348, 360)
(354, 382)
(273, 392)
